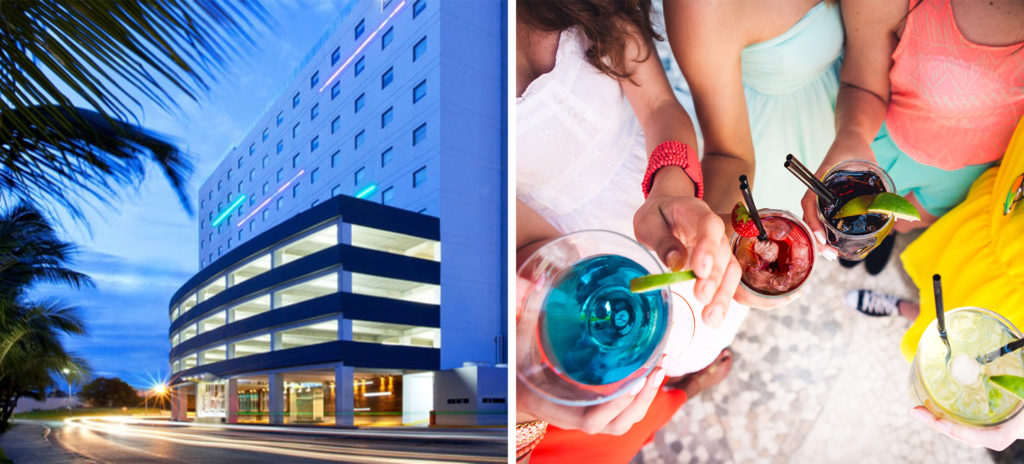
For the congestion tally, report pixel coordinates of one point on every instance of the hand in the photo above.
(615, 417)
(685, 232)
(837, 153)
(995, 438)
(747, 298)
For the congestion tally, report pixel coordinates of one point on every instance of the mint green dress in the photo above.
(790, 82)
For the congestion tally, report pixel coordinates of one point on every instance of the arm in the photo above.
(863, 89)
(681, 228)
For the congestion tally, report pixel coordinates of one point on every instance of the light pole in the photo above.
(67, 378)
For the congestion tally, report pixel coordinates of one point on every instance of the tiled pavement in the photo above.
(813, 382)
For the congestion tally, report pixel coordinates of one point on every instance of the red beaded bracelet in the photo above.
(673, 153)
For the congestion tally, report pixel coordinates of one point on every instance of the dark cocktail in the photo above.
(780, 264)
(854, 236)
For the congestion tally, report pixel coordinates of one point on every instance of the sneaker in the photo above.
(872, 303)
(847, 263)
(876, 261)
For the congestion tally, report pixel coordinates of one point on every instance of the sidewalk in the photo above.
(27, 442)
(813, 382)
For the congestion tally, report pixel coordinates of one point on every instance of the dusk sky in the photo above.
(140, 251)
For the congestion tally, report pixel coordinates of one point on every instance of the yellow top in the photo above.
(977, 249)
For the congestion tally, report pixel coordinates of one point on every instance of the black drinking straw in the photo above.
(800, 171)
(1009, 347)
(749, 199)
(940, 315)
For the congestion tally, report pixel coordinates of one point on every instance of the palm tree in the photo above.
(108, 55)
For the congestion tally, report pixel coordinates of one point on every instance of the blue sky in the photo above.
(141, 250)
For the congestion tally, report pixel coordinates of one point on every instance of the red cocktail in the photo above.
(779, 265)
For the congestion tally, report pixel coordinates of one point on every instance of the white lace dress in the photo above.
(580, 159)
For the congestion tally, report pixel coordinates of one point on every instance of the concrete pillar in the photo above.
(275, 401)
(344, 328)
(344, 395)
(179, 404)
(344, 232)
(344, 281)
(232, 397)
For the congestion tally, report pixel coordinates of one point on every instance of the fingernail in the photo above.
(829, 255)
(715, 313)
(673, 260)
(944, 427)
(921, 415)
(705, 265)
(637, 387)
(819, 236)
(659, 377)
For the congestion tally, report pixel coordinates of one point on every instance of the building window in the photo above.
(386, 39)
(266, 133)
(280, 118)
(202, 204)
(220, 250)
(295, 130)
(239, 234)
(229, 243)
(266, 213)
(419, 177)
(335, 158)
(252, 174)
(314, 203)
(252, 149)
(266, 187)
(219, 186)
(335, 90)
(419, 91)
(239, 162)
(359, 139)
(419, 133)
(360, 173)
(336, 124)
(295, 191)
(229, 174)
(360, 28)
(335, 55)
(419, 49)
(280, 146)
(314, 112)
(239, 186)
(387, 196)
(360, 102)
(280, 202)
(314, 175)
(314, 79)
(266, 160)
(314, 144)
(385, 157)
(336, 191)
(384, 4)
(295, 99)
(418, 7)
(360, 65)
(210, 196)
(280, 174)
(386, 117)
(295, 161)
(387, 77)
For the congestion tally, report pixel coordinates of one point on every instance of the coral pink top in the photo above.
(954, 103)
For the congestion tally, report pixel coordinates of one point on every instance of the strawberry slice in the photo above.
(742, 222)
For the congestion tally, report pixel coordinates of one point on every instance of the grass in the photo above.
(59, 414)
(4, 459)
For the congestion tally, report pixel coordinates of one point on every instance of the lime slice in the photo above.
(1010, 383)
(855, 207)
(896, 205)
(653, 281)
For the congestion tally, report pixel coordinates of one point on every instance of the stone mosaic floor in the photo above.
(812, 382)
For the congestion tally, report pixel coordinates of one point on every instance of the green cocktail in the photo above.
(960, 390)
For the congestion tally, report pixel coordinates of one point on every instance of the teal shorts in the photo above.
(937, 189)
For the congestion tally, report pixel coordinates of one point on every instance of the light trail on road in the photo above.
(186, 435)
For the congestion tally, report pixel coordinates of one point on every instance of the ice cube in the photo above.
(964, 370)
(781, 283)
(799, 252)
(758, 278)
(776, 229)
(747, 260)
(767, 250)
(799, 268)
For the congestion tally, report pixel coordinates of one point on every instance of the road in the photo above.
(130, 440)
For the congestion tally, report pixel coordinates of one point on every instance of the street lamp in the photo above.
(67, 378)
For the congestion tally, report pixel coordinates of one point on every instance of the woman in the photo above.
(764, 77)
(947, 79)
(593, 103)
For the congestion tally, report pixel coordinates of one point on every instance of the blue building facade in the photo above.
(322, 232)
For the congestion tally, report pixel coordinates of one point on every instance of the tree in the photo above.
(109, 392)
(108, 55)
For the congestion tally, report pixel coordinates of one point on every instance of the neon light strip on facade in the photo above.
(224, 215)
(267, 201)
(362, 46)
(366, 191)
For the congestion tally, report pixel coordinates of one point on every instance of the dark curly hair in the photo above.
(608, 24)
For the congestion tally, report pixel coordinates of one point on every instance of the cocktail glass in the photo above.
(855, 236)
(582, 337)
(974, 332)
(779, 266)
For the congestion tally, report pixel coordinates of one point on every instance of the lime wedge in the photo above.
(653, 281)
(855, 207)
(896, 205)
(1010, 383)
